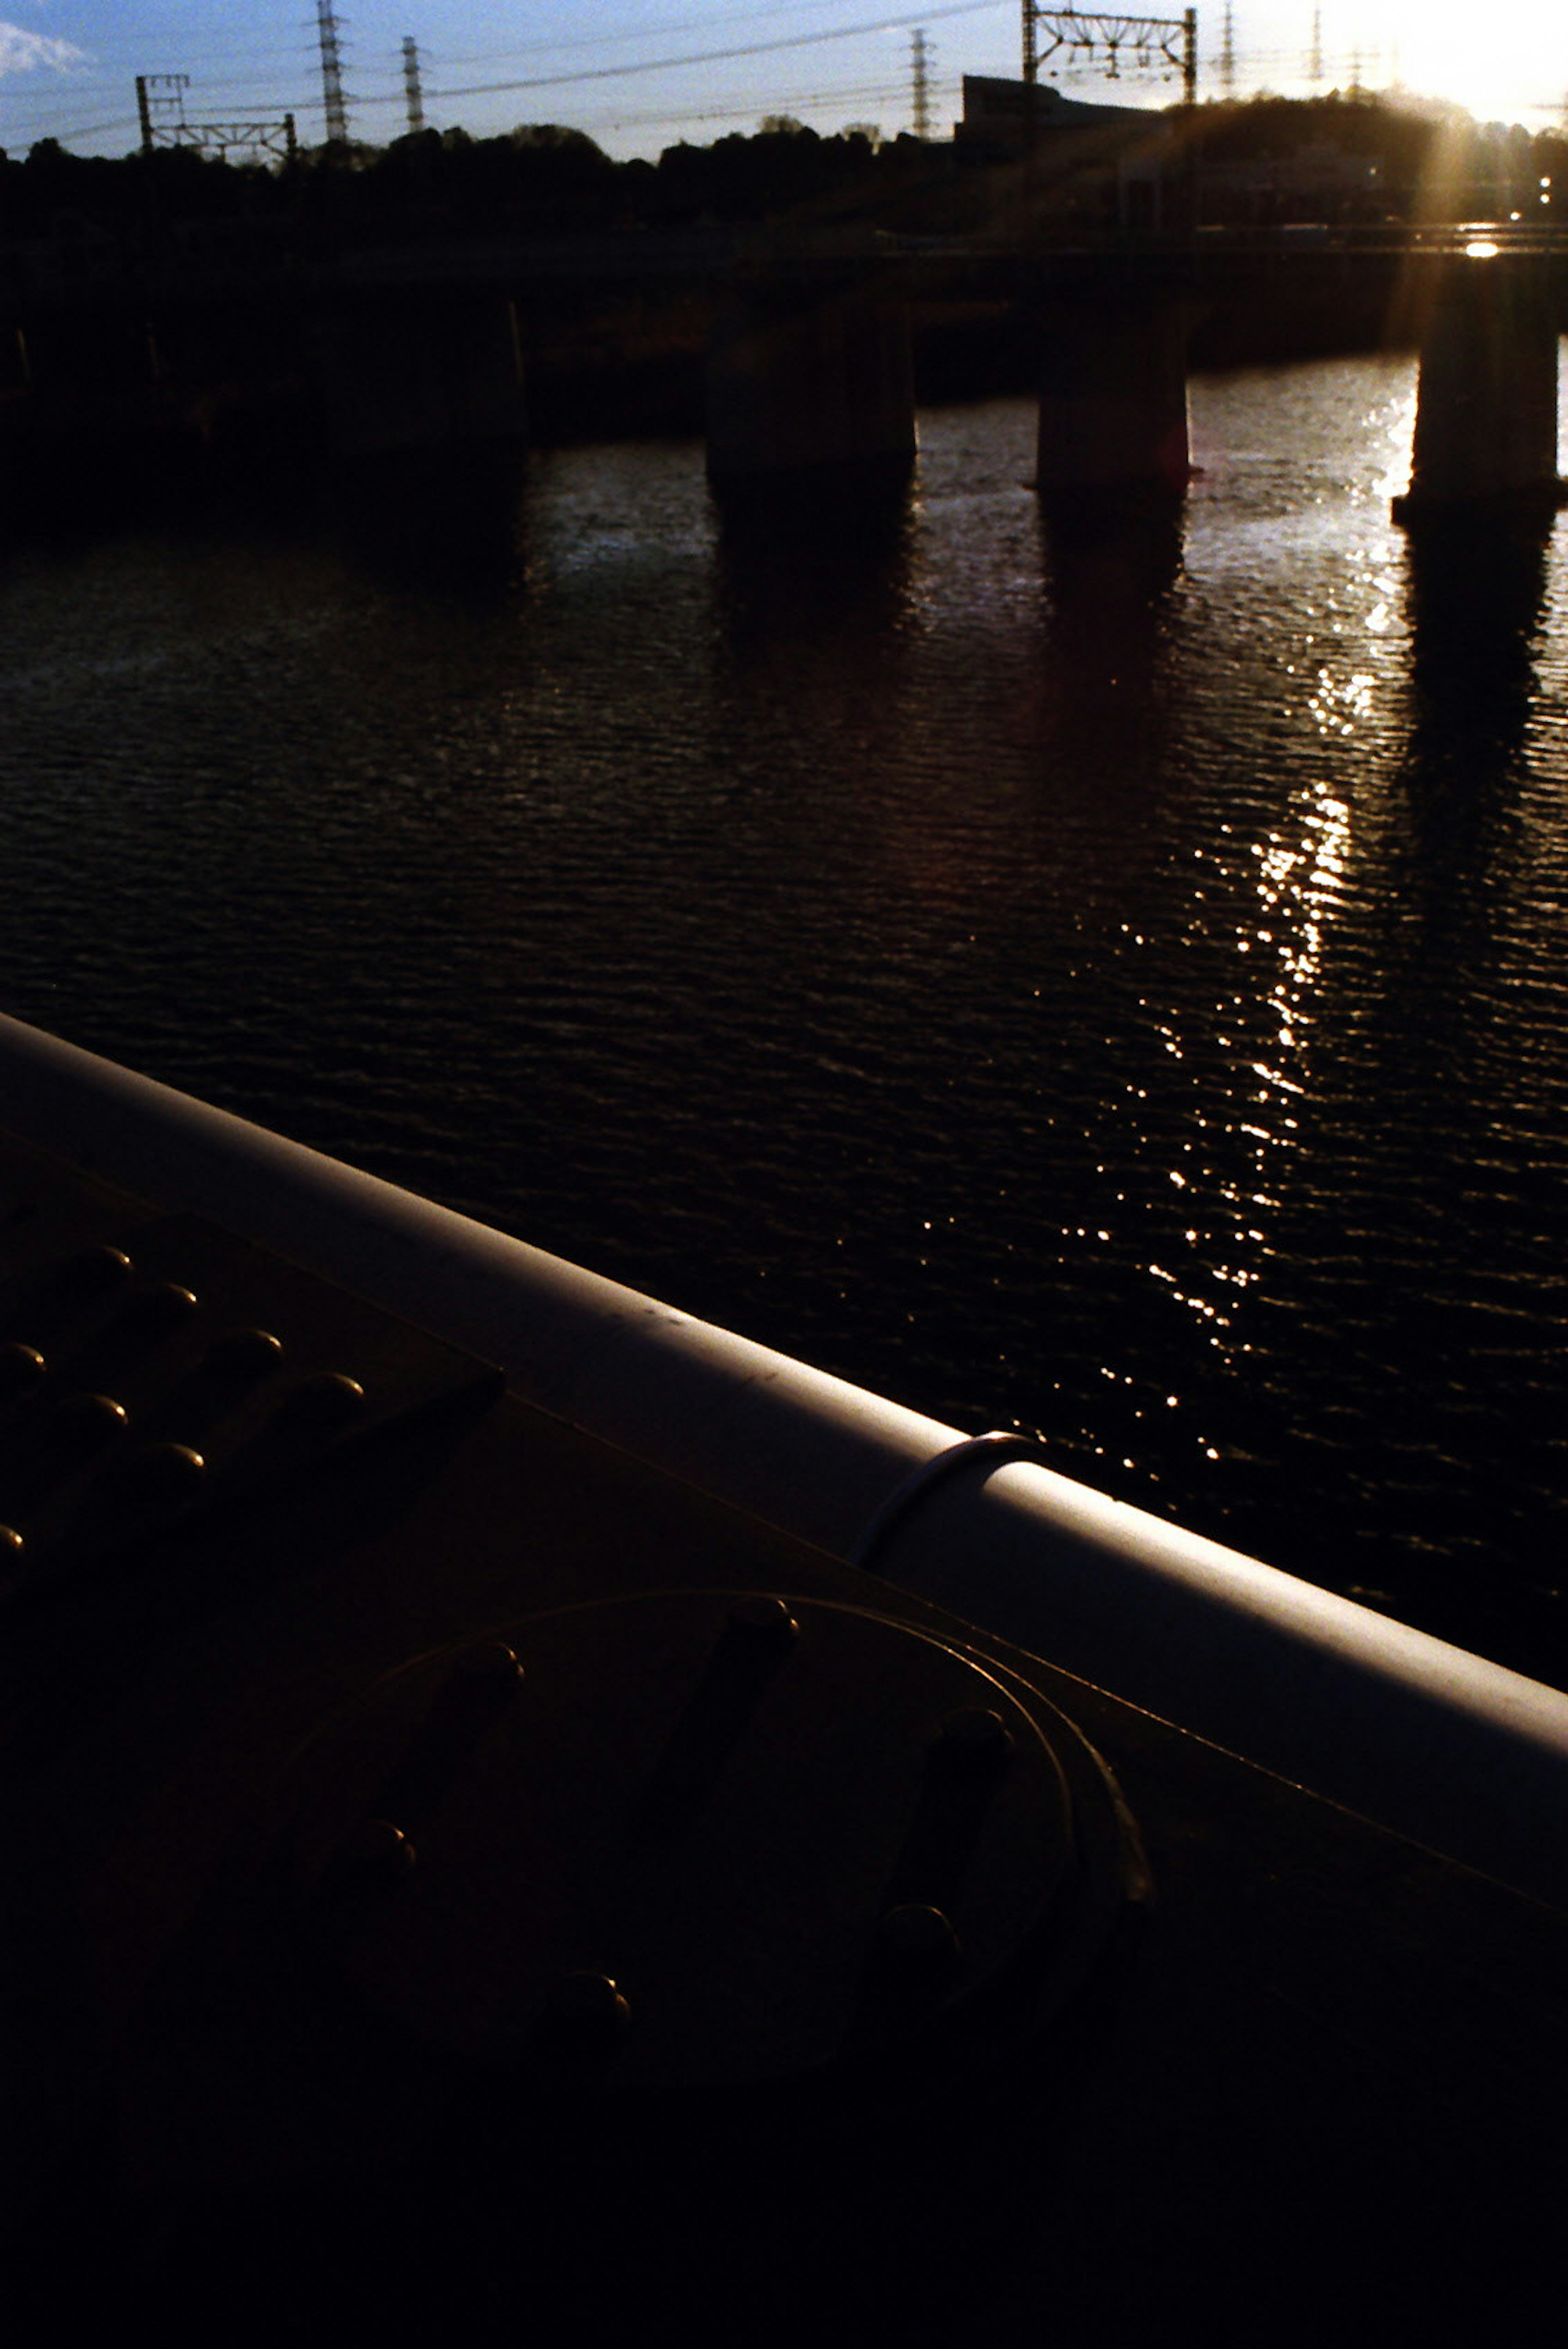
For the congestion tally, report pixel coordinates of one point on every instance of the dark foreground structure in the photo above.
(512, 1826)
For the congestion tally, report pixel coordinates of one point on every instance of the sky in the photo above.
(651, 72)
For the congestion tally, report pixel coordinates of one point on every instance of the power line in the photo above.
(743, 110)
(719, 57)
(38, 110)
(743, 105)
(601, 40)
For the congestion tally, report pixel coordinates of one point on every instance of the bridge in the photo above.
(419, 349)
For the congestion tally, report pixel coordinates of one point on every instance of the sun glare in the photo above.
(1509, 63)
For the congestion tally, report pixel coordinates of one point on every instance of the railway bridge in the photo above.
(393, 351)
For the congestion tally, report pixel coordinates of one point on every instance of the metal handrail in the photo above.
(1449, 1749)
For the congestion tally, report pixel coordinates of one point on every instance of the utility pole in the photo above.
(412, 84)
(922, 94)
(332, 75)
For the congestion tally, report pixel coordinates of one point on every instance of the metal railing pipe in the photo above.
(1444, 1746)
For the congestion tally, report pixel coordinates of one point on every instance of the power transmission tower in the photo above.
(922, 94)
(1228, 55)
(1314, 63)
(1167, 45)
(412, 84)
(332, 75)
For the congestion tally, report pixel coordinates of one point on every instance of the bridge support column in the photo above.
(405, 377)
(1486, 411)
(1113, 403)
(807, 385)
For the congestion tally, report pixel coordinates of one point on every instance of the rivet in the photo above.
(99, 1268)
(976, 1734)
(380, 1849)
(13, 1549)
(759, 1616)
(23, 1371)
(490, 1660)
(327, 1400)
(80, 1282)
(85, 1421)
(918, 1940)
(164, 1474)
(91, 1273)
(245, 1354)
(160, 1310)
(591, 2004)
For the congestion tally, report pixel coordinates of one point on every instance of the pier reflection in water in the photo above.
(1114, 988)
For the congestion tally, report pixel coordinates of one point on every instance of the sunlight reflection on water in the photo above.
(1116, 991)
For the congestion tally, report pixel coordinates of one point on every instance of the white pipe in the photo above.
(1454, 1751)
(788, 1443)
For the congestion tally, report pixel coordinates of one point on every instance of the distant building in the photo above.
(1318, 181)
(1056, 159)
(1008, 116)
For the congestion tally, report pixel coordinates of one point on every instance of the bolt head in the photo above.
(325, 1402)
(919, 1944)
(760, 1617)
(590, 2006)
(23, 1371)
(491, 1662)
(975, 1734)
(245, 1354)
(380, 1849)
(161, 1475)
(86, 1420)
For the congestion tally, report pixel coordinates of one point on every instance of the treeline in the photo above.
(1431, 163)
(544, 179)
(539, 177)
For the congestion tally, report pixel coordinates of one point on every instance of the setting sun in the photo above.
(1509, 62)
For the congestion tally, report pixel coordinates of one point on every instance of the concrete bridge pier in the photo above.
(1113, 403)
(1486, 410)
(403, 377)
(88, 414)
(811, 386)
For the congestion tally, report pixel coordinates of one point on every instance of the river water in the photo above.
(1118, 992)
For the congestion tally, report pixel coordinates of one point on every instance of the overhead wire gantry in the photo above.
(161, 110)
(1116, 44)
